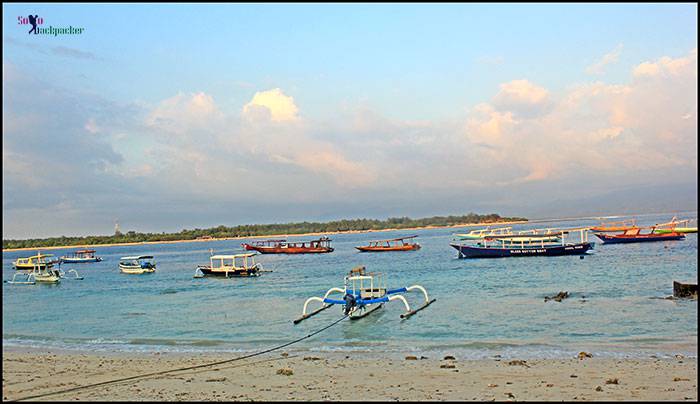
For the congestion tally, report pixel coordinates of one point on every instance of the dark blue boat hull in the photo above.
(467, 251)
(619, 240)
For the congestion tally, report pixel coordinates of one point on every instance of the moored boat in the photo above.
(80, 256)
(485, 232)
(137, 264)
(622, 225)
(676, 226)
(363, 293)
(322, 245)
(262, 243)
(544, 245)
(40, 260)
(635, 236)
(396, 244)
(237, 265)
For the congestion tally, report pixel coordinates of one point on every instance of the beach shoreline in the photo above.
(270, 236)
(304, 376)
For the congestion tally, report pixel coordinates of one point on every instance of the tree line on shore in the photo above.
(262, 230)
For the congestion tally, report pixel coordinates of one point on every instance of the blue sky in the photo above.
(409, 80)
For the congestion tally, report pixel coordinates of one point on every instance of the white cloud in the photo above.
(271, 104)
(607, 59)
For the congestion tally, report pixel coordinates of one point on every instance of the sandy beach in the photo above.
(302, 376)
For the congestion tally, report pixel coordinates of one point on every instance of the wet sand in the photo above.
(304, 376)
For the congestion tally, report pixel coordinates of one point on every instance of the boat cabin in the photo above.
(230, 265)
(35, 260)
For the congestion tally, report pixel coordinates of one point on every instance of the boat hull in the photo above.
(289, 250)
(466, 251)
(619, 239)
(136, 270)
(413, 247)
(207, 271)
(80, 260)
(25, 267)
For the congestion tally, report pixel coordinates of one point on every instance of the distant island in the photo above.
(220, 232)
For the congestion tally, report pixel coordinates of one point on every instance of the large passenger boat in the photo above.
(527, 246)
(322, 245)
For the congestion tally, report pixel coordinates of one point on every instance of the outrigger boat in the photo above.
(634, 236)
(486, 232)
(41, 274)
(29, 263)
(80, 256)
(396, 244)
(363, 293)
(673, 227)
(551, 244)
(262, 243)
(137, 265)
(322, 245)
(225, 266)
(622, 225)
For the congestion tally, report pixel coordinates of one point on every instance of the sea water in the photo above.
(484, 307)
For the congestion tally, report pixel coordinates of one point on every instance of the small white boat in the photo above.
(139, 264)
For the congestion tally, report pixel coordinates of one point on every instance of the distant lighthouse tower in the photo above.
(117, 232)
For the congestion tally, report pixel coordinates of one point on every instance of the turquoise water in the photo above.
(484, 307)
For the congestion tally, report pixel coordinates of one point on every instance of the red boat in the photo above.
(634, 236)
(322, 245)
(396, 244)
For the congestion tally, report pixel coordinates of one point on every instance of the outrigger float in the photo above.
(364, 293)
(41, 274)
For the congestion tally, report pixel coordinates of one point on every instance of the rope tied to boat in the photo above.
(124, 379)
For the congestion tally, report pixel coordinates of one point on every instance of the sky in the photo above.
(171, 116)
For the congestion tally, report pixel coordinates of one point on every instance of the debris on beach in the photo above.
(312, 358)
(598, 388)
(680, 379)
(218, 379)
(411, 358)
(613, 381)
(582, 355)
(285, 372)
(449, 358)
(493, 385)
(558, 297)
(447, 366)
(518, 362)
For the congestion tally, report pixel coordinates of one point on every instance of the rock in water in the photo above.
(558, 297)
(685, 290)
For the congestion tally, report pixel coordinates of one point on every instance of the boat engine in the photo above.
(350, 303)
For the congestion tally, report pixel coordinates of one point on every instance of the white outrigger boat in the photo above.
(225, 265)
(41, 274)
(363, 293)
(137, 265)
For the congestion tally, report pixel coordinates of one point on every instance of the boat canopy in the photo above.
(393, 239)
(138, 257)
(230, 257)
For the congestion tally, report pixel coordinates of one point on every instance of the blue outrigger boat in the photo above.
(532, 245)
(362, 294)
